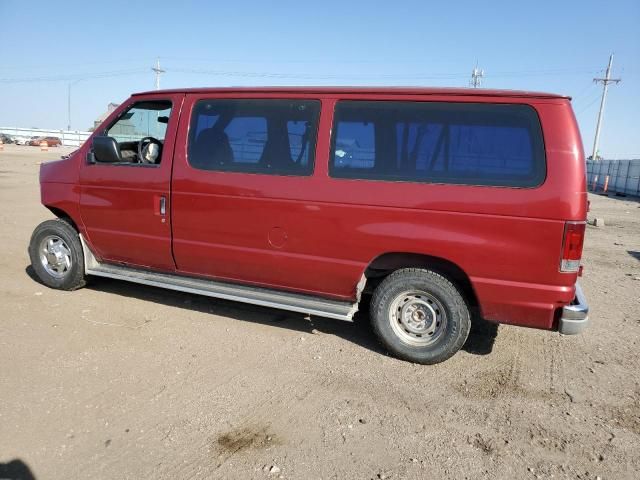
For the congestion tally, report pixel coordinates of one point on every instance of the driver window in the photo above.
(140, 131)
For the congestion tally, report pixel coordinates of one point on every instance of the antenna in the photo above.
(605, 85)
(476, 76)
(158, 72)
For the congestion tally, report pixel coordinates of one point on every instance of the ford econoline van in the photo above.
(430, 205)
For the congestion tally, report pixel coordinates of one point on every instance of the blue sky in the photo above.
(107, 49)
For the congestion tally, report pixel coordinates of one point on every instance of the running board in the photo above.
(228, 291)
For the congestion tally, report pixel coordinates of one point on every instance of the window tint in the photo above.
(275, 137)
(460, 143)
(247, 136)
(354, 147)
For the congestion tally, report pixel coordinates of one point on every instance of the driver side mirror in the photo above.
(106, 150)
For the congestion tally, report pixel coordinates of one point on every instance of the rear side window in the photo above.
(437, 142)
(275, 137)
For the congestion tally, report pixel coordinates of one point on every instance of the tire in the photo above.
(56, 255)
(420, 316)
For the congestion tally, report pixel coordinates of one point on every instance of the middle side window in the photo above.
(276, 137)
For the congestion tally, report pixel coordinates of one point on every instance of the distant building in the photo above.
(110, 108)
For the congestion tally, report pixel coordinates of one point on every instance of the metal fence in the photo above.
(70, 138)
(617, 176)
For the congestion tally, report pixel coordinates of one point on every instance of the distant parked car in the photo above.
(20, 140)
(51, 141)
(6, 139)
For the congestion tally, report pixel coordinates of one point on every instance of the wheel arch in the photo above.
(61, 214)
(386, 263)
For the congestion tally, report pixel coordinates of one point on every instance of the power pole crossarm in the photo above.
(158, 71)
(605, 86)
(476, 76)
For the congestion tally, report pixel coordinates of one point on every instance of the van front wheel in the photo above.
(56, 255)
(420, 316)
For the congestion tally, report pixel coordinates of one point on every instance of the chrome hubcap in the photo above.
(55, 256)
(417, 318)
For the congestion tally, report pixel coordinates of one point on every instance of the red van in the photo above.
(431, 205)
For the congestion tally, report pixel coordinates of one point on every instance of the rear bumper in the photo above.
(575, 317)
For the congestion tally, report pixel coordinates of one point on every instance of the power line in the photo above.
(541, 73)
(586, 107)
(72, 77)
(536, 72)
(48, 66)
(586, 91)
(312, 76)
(430, 76)
(293, 75)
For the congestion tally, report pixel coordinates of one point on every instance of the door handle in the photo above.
(163, 205)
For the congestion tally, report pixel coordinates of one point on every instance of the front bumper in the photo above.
(575, 317)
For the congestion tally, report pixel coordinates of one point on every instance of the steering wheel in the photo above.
(149, 149)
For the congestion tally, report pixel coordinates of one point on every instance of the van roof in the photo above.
(479, 92)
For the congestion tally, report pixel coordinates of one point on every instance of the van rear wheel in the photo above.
(420, 316)
(56, 255)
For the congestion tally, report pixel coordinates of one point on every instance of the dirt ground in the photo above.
(120, 381)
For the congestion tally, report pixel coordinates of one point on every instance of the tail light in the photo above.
(572, 246)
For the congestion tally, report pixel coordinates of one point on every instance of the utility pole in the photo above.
(605, 85)
(158, 72)
(476, 76)
(69, 107)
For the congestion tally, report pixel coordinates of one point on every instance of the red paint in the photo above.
(119, 205)
(317, 234)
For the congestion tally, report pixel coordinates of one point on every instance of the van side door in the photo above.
(243, 171)
(124, 201)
